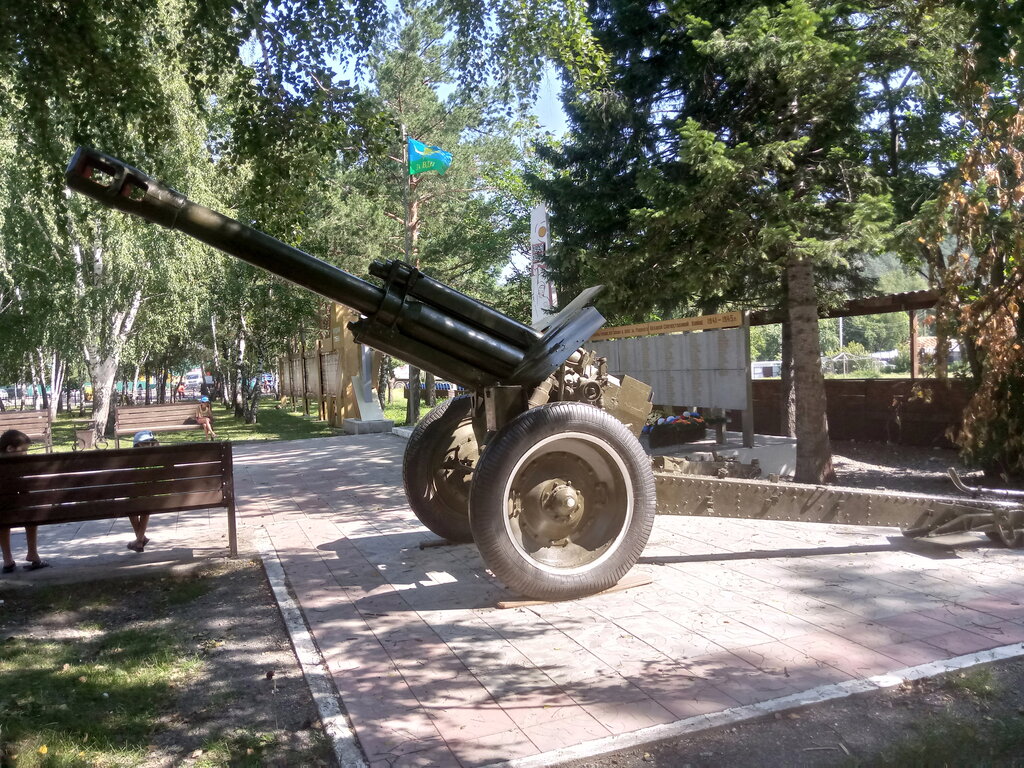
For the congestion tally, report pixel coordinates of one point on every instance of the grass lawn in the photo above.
(152, 671)
(275, 422)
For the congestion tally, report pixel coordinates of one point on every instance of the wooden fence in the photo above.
(901, 411)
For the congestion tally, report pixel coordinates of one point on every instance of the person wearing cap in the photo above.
(204, 416)
(13, 442)
(143, 439)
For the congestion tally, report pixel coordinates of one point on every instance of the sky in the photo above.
(548, 106)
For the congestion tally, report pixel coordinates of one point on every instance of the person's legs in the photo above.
(139, 523)
(32, 557)
(5, 545)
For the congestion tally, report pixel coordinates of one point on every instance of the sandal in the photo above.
(10, 568)
(134, 547)
(35, 565)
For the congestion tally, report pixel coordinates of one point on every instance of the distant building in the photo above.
(926, 349)
(765, 369)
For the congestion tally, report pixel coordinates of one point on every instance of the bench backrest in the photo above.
(35, 424)
(94, 485)
(130, 419)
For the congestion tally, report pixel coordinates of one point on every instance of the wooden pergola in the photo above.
(910, 303)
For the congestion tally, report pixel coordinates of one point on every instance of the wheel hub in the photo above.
(562, 502)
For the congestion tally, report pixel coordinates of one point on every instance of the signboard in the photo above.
(702, 323)
(542, 291)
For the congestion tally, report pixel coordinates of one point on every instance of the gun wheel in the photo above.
(562, 502)
(437, 469)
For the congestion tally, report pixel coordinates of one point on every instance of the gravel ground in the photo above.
(906, 468)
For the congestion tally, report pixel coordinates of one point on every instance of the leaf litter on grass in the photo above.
(171, 670)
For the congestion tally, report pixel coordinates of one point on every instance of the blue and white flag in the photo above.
(423, 157)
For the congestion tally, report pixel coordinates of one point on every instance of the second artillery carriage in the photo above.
(541, 466)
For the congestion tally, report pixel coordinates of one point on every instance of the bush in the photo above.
(901, 363)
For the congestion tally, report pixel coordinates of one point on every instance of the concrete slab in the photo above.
(739, 613)
(366, 426)
(777, 455)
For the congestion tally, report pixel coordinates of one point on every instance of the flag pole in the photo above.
(412, 407)
(407, 196)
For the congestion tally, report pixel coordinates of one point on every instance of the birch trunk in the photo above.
(103, 356)
(238, 390)
(219, 376)
(58, 372)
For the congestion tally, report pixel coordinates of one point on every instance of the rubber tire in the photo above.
(440, 504)
(538, 430)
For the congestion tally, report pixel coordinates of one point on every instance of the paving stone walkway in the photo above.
(431, 673)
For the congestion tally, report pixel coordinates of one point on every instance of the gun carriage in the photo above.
(541, 466)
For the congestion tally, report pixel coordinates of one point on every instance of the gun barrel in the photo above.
(492, 345)
(419, 321)
(262, 250)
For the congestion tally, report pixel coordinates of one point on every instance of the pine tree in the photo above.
(727, 164)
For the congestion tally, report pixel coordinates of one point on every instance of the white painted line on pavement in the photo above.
(607, 745)
(336, 724)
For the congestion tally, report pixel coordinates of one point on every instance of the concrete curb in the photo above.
(343, 739)
(600, 747)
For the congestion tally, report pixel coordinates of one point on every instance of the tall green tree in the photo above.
(974, 232)
(162, 84)
(727, 164)
(460, 227)
(78, 74)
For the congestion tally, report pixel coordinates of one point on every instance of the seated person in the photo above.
(204, 416)
(13, 442)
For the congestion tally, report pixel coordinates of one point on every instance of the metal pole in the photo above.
(748, 412)
(407, 195)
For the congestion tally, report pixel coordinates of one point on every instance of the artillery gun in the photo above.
(541, 466)
(562, 501)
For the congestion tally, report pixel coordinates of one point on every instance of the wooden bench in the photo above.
(174, 417)
(35, 424)
(96, 485)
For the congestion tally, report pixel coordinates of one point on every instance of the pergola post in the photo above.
(915, 363)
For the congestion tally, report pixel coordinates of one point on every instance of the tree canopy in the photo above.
(722, 155)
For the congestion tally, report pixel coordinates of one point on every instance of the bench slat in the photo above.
(91, 461)
(119, 508)
(173, 418)
(157, 428)
(30, 483)
(157, 417)
(13, 502)
(159, 407)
